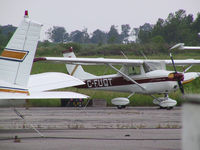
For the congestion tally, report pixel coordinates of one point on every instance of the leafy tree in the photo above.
(158, 39)
(135, 33)
(113, 35)
(196, 29)
(6, 33)
(7, 29)
(79, 36)
(144, 34)
(125, 32)
(58, 34)
(196, 23)
(98, 37)
(178, 27)
(86, 36)
(158, 28)
(174, 25)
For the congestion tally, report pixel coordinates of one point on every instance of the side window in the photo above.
(134, 70)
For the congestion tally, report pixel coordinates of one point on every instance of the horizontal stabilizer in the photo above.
(51, 80)
(42, 95)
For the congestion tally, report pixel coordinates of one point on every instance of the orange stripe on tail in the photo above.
(20, 55)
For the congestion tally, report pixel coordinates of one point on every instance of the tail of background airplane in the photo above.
(17, 58)
(76, 70)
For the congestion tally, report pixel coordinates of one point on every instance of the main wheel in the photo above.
(169, 108)
(121, 106)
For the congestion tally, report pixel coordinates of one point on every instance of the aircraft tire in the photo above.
(121, 106)
(169, 108)
(162, 107)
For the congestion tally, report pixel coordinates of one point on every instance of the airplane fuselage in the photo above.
(155, 82)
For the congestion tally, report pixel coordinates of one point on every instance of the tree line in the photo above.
(60, 35)
(177, 27)
(149, 38)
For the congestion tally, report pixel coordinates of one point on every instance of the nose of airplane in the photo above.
(177, 76)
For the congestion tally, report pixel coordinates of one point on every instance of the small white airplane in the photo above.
(135, 76)
(16, 83)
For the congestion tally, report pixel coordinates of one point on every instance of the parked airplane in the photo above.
(15, 66)
(135, 76)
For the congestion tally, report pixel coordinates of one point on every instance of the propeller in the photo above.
(177, 76)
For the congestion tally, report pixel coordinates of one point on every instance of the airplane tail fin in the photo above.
(76, 70)
(17, 58)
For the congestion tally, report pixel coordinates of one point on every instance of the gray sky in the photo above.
(93, 14)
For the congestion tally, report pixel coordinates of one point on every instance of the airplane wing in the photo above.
(183, 62)
(90, 61)
(105, 61)
(51, 80)
(42, 95)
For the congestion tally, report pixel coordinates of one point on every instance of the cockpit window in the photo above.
(151, 66)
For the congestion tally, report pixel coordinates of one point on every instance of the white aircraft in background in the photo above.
(182, 46)
(135, 76)
(16, 61)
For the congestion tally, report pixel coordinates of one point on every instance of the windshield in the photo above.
(151, 66)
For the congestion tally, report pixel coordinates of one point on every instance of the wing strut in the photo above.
(127, 77)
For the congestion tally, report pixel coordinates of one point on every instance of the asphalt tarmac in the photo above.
(140, 128)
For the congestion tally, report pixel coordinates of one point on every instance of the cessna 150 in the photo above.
(16, 83)
(151, 77)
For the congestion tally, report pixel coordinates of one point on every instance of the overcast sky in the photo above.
(92, 14)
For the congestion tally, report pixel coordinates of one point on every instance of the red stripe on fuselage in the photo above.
(118, 81)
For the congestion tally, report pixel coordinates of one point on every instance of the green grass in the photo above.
(136, 100)
(48, 67)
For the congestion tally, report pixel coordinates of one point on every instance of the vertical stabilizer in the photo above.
(76, 70)
(17, 58)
